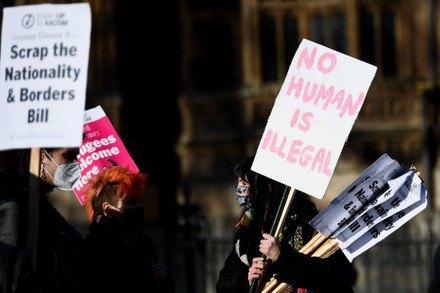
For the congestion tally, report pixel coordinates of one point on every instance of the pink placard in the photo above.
(101, 148)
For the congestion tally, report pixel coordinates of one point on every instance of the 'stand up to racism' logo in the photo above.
(28, 21)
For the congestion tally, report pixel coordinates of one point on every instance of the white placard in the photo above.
(312, 117)
(43, 74)
(386, 227)
(396, 198)
(357, 200)
(374, 168)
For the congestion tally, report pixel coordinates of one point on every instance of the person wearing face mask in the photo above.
(119, 256)
(61, 175)
(259, 198)
(58, 244)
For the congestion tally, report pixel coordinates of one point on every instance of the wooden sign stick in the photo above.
(313, 244)
(33, 205)
(278, 223)
(286, 208)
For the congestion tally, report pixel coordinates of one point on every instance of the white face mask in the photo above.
(66, 175)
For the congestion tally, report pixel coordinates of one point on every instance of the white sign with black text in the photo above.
(43, 74)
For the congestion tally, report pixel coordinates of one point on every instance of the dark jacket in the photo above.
(16, 273)
(58, 244)
(120, 260)
(334, 274)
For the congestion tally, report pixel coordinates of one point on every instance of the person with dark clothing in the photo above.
(119, 256)
(16, 273)
(58, 243)
(257, 256)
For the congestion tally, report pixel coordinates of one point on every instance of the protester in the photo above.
(58, 243)
(119, 257)
(16, 271)
(260, 197)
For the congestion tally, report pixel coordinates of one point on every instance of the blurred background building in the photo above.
(189, 86)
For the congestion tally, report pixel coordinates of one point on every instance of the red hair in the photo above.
(110, 185)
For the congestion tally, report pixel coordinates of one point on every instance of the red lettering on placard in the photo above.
(341, 101)
(304, 155)
(327, 56)
(278, 149)
(305, 118)
(322, 94)
(326, 62)
(308, 59)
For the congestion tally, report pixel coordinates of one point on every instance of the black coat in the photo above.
(58, 244)
(120, 260)
(16, 273)
(333, 274)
